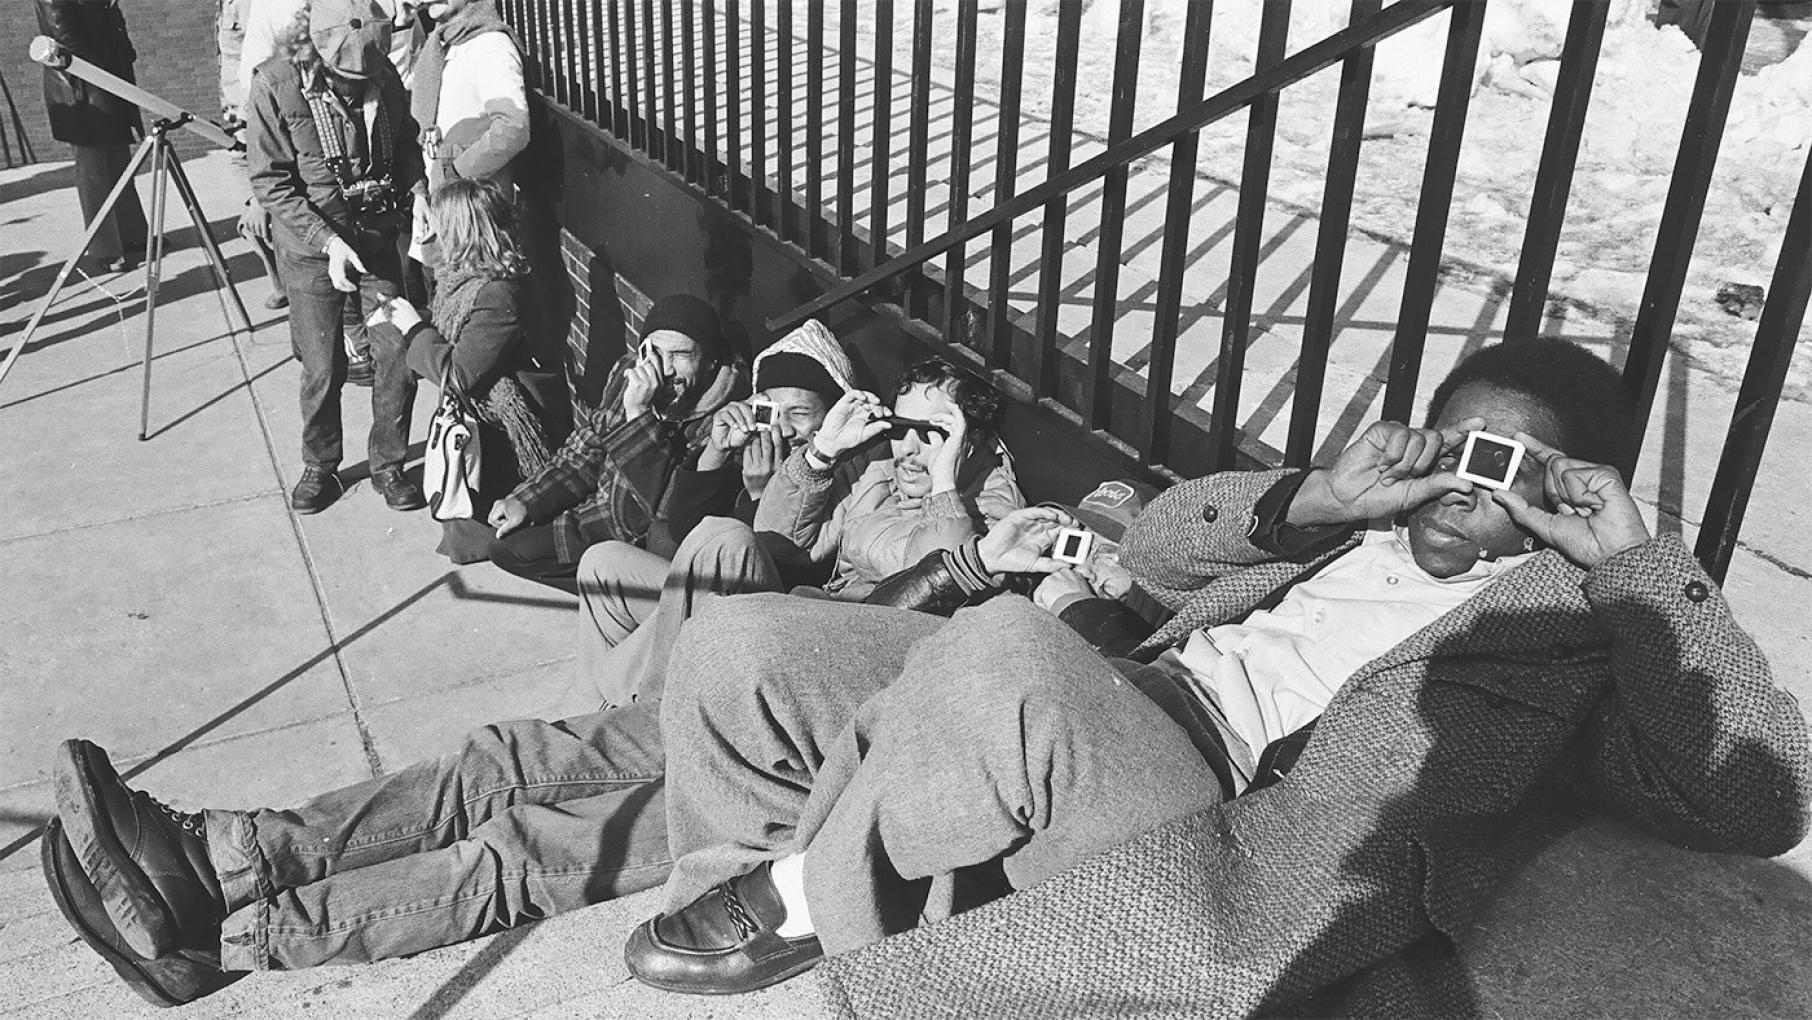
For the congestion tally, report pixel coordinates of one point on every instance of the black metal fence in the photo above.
(714, 91)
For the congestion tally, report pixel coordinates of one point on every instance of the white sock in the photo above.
(789, 880)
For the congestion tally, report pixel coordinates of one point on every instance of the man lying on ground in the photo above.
(947, 481)
(611, 478)
(1480, 666)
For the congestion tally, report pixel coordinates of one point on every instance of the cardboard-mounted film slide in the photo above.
(1490, 460)
(1073, 545)
(763, 411)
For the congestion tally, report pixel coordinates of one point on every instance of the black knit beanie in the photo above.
(684, 313)
(789, 368)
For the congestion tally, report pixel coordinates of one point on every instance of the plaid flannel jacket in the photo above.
(612, 476)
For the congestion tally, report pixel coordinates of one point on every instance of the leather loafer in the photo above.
(723, 943)
(170, 981)
(148, 861)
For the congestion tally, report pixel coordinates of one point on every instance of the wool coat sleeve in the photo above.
(493, 334)
(1694, 741)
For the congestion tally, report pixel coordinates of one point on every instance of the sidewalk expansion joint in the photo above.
(147, 515)
(369, 743)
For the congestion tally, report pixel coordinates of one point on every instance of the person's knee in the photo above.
(735, 650)
(715, 538)
(601, 566)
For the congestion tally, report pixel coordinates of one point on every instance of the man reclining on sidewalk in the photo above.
(946, 480)
(1480, 673)
(611, 478)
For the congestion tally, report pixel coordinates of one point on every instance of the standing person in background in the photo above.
(470, 101)
(97, 125)
(334, 159)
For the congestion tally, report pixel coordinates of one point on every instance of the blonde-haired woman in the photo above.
(478, 338)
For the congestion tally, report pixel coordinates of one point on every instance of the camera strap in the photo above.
(333, 143)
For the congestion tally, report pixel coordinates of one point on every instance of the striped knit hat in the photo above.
(810, 358)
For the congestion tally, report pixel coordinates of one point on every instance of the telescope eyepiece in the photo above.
(50, 53)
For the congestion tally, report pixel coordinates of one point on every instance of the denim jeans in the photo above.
(318, 335)
(526, 820)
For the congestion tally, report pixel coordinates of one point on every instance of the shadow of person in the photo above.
(1523, 725)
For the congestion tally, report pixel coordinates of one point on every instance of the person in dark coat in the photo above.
(480, 341)
(99, 126)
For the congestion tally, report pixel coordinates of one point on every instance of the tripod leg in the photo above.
(223, 282)
(100, 221)
(154, 261)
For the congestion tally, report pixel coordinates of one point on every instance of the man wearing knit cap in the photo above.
(333, 157)
(620, 585)
(613, 478)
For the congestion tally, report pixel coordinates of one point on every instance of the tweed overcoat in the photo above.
(1435, 771)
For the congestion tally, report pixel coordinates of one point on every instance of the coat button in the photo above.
(1697, 591)
(1210, 513)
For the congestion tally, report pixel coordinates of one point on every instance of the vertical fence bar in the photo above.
(1056, 211)
(881, 136)
(1554, 176)
(712, 166)
(1006, 181)
(594, 71)
(619, 102)
(531, 24)
(632, 95)
(579, 92)
(651, 113)
(735, 186)
(1422, 276)
(1330, 244)
(814, 128)
(962, 138)
(558, 49)
(1173, 259)
(1776, 334)
(783, 127)
(846, 136)
(918, 140)
(1248, 231)
(1113, 216)
(758, 112)
(1720, 58)
(669, 112)
(689, 147)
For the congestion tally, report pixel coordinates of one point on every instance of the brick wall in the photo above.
(178, 59)
(583, 342)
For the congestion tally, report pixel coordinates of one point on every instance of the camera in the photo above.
(367, 198)
(1073, 546)
(1490, 460)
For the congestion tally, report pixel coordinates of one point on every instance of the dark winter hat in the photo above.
(790, 368)
(352, 36)
(684, 313)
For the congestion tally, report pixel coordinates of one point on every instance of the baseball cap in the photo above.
(352, 36)
(1111, 507)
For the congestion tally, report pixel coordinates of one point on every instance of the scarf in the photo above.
(504, 404)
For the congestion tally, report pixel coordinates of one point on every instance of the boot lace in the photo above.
(193, 822)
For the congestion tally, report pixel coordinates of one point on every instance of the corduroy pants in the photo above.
(897, 749)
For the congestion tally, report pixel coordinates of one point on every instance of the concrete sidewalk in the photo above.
(160, 599)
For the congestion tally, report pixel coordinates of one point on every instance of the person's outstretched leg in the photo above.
(759, 687)
(721, 556)
(530, 553)
(1005, 736)
(167, 877)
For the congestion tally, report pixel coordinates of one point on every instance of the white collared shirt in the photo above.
(1266, 677)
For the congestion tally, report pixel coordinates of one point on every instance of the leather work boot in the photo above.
(148, 861)
(398, 491)
(361, 371)
(315, 491)
(722, 943)
(172, 981)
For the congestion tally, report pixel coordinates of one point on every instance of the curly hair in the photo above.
(1584, 394)
(295, 44)
(974, 395)
(475, 223)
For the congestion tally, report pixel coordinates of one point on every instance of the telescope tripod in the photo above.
(166, 169)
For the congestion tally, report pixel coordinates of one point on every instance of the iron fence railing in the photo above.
(713, 90)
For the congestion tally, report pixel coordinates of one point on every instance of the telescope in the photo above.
(166, 169)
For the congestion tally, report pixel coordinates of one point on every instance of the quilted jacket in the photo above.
(1434, 772)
